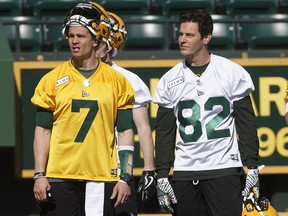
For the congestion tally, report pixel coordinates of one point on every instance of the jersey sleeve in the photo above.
(242, 85)
(246, 128)
(126, 94)
(161, 96)
(164, 141)
(44, 95)
(142, 94)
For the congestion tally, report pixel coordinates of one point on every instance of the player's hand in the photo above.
(41, 188)
(121, 193)
(165, 194)
(252, 182)
(147, 185)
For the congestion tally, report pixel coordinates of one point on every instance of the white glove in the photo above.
(252, 182)
(165, 194)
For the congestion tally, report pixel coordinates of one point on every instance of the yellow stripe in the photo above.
(157, 63)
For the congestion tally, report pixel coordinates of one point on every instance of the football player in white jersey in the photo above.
(204, 104)
(147, 184)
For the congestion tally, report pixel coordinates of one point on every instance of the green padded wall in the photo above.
(7, 93)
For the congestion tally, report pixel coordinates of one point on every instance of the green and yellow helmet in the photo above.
(90, 15)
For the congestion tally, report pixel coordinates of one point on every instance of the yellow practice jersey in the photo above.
(82, 144)
(287, 92)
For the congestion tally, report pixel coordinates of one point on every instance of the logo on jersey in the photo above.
(84, 94)
(62, 80)
(175, 82)
(234, 157)
(113, 172)
(199, 93)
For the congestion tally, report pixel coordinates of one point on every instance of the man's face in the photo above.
(81, 42)
(190, 40)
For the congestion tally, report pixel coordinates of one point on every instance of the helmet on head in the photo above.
(257, 208)
(90, 15)
(117, 32)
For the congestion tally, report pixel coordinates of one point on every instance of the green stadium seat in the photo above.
(51, 7)
(249, 6)
(53, 38)
(145, 32)
(175, 7)
(126, 7)
(29, 37)
(224, 33)
(10, 8)
(283, 6)
(267, 32)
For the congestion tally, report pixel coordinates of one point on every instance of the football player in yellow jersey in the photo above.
(83, 100)
(147, 184)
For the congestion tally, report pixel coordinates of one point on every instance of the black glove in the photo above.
(147, 185)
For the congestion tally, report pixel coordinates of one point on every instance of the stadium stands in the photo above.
(52, 34)
(266, 32)
(249, 6)
(174, 7)
(10, 8)
(51, 7)
(145, 32)
(151, 24)
(23, 33)
(127, 7)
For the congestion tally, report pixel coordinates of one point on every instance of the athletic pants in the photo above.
(212, 197)
(74, 198)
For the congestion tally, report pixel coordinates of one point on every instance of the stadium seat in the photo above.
(269, 32)
(10, 8)
(29, 37)
(224, 33)
(52, 34)
(145, 32)
(175, 7)
(283, 6)
(126, 7)
(249, 6)
(51, 7)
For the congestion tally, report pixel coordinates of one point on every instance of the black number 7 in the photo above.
(93, 109)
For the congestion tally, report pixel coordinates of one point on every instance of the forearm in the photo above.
(126, 138)
(126, 154)
(41, 148)
(141, 120)
(247, 130)
(165, 141)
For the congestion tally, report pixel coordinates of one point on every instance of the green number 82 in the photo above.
(193, 120)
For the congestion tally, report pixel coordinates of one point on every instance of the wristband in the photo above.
(38, 175)
(126, 154)
(127, 179)
(286, 107)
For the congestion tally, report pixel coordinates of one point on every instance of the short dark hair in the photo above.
(200, 16)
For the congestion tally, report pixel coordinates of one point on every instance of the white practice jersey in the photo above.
(203, 106)
(142, 93)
